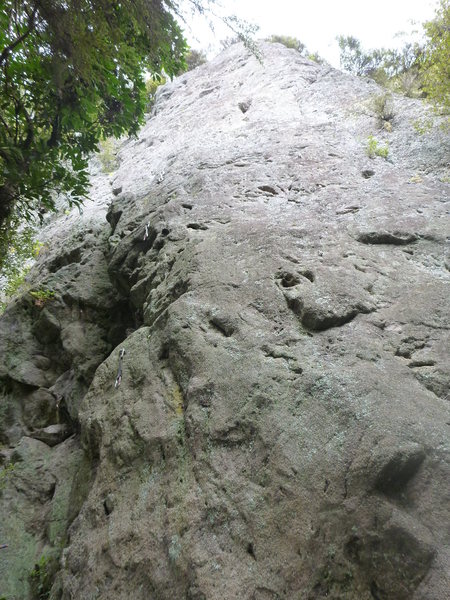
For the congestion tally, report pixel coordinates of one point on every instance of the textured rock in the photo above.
(279, 427)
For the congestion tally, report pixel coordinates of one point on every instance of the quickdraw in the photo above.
(119, 372)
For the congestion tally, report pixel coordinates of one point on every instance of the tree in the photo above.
(72, 72)
(289, 42)
(195, 58)
(296, 44)
(399, 70)
(436, 63)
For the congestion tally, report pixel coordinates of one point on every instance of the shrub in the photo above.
(383, 107)
(436, 64)
(373, 149)
(42, 577)
(108, 155)
(5, 474)
(398, 70)
(151, 87)
(21, 248)
(315, 57)
(288, 41)
(296, 44)
(42, 296)
(195, 58)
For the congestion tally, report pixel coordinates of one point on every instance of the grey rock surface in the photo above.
(278, 425)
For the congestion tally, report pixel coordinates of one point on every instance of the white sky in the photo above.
(317, 22)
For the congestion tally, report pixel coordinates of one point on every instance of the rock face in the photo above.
(278, 424)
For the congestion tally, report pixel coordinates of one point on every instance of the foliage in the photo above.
(5, 474)
(195, 58)
(374, 149)
(42, 577)
(315, 57)
(229, 41)
(243, 32)
(151, 87)
(417, 70)
(107, 155)
(352, 58)
(42, 296)
(288, 41)
(383, 107)
(436, 63)
(296, 44)
(398, 70)
(21, 248)
(424, 125)
(71, 73)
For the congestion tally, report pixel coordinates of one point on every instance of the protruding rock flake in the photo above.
(236, 386)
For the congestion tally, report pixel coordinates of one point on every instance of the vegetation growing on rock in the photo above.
(416, 70)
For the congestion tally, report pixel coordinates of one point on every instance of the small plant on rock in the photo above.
(42, 576)
(42, 296)
(151, 87)
(5, 474)
(373, 148)
(383, 108)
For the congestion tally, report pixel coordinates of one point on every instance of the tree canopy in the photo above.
(72, 72)
(418, 69)
(437, 57)
(400, 70)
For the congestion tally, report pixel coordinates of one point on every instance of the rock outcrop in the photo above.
(277, 428)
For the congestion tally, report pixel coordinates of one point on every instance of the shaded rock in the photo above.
(52, 434)
(46, 327)
(397, 238)
(244, 106)
(39, 408)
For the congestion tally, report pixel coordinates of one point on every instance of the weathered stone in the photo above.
(277, 427)
(39, 409)
(52, 434)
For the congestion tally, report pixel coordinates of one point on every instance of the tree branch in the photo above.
(7, 51)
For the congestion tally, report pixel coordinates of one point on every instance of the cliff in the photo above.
(276, 427)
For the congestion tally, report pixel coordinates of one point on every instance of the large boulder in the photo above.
(271, 420)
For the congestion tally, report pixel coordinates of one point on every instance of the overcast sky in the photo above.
(317, 22)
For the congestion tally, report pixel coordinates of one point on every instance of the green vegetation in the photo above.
(417, 70)
(42, 576)
(383, 107)
(296, 44)
(436, 63)
(195, 58)
(107, 155)
(373, 148)
(71, 73)
(5, 475)
(289, 42)
(151, 88)
(398, 70)
(42, 296)
(21, 248)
